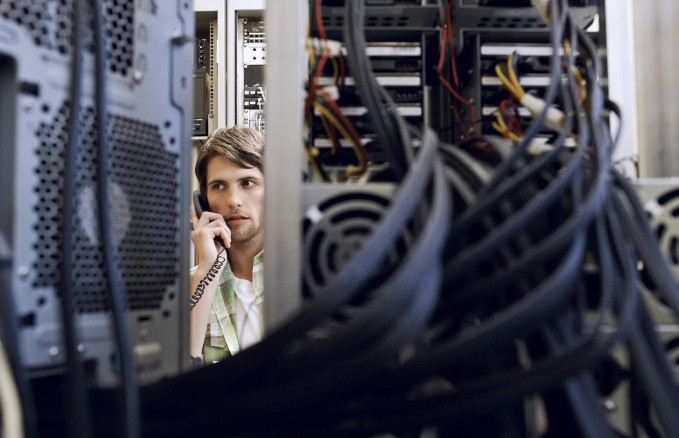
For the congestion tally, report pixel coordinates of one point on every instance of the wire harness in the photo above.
(502, 315)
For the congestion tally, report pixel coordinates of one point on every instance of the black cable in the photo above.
(108, 229)
(401, 306)
(583, 403)
(654, 370)
(350, 382)
(367, 87)
(251, 363)
(492, 200)
(76, 398)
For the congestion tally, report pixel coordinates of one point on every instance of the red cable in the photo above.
(442, 54)
(453, 64)
(321, 62)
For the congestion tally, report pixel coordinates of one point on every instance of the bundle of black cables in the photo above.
(521, 278)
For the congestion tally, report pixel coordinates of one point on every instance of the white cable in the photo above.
(12, 423)
(555, 117)
(319, 46)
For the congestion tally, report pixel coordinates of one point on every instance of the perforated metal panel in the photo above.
(50, 23)
(119, 22)
(145, 185)
(148, 131)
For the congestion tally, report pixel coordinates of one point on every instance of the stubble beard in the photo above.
(245, 234)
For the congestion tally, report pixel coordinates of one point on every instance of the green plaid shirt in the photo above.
(221, 340)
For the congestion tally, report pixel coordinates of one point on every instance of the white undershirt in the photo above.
(248, 317)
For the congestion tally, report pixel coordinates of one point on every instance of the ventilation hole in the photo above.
(315, 253)
(332, 257)
(664, 199)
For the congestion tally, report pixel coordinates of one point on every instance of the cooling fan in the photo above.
(336, 221)
(660, 198)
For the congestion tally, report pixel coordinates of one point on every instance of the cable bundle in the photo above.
(500, 318)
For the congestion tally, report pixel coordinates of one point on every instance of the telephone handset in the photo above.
(200, 205)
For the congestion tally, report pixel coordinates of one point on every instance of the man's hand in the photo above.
(205, 229)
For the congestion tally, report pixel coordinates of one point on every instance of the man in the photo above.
(226, 286)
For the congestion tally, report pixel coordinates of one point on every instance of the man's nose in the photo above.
(235, 198)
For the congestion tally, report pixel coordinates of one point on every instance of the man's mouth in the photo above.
(236, 219)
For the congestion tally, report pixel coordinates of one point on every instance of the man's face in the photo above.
(238, 195)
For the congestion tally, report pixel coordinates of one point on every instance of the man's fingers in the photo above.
(194, 217)
(225, 234)
(208, 217)
(217, 229)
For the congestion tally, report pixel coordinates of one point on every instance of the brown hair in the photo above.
(241, 145)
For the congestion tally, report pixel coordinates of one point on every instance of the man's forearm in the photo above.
(204, 285)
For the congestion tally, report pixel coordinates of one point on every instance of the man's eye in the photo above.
(248, 183)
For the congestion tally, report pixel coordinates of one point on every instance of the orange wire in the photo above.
(352, 132)
(333, 137)
(453, 64)
(464, 101)
(321, 63)
(343, 71)
(514, 119)
(319, 21)
(442, 54)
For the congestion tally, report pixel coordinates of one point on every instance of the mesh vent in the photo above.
(528, 22)
(50, 22)
(372, 21)
(119, 22)
(144, 177)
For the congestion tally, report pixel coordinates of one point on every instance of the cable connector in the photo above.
(542, 7)
(555, 117)
(319, 46)
(539, 146)
(331, 91)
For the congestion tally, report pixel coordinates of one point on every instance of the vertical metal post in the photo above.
(286, 23)
(621, 74)
(657, 62)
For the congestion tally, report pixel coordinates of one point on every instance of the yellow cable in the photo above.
(502, 128)
(513, 76)
(331, 137)
(335, 70)
(362, 165)
(507, 83)
(514, 137)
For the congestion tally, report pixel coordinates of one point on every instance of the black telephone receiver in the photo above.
(201, 205)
